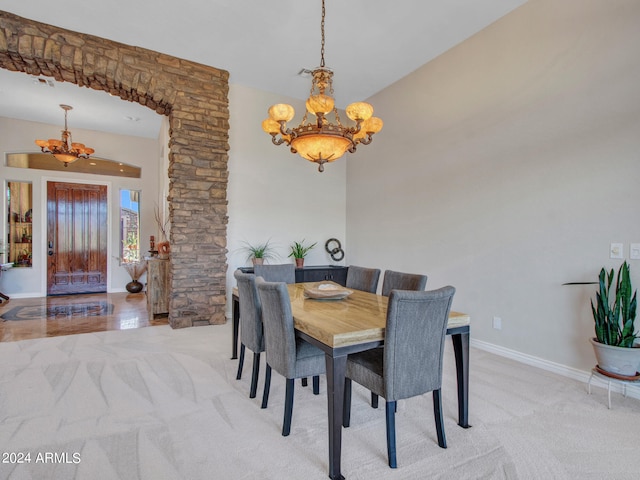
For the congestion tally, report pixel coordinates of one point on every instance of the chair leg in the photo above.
(267, 386)
(288, 407)
(437, 413)
(316, 384)
(374, 400)
(254, 375)
(346, 407)
(240, 362)
(390, 409)
(304, 381)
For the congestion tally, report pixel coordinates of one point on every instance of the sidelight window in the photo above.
(129, 226)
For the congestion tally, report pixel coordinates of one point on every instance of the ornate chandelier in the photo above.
(322, 141)
(64, 150)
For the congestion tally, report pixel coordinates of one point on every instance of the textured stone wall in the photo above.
(195, 97)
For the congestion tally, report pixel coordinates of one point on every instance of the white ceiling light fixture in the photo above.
(65, 150)
(322, 141)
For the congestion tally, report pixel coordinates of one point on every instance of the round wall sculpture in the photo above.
(195, 98)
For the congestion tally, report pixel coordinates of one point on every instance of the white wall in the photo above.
(18, 136)
(506, 167)
(275, 195)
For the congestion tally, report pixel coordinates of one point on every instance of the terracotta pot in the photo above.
(617, 360)
(134, 286)
(299, 262)
(257, 261)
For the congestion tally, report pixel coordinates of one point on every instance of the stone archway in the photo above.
(195, 98)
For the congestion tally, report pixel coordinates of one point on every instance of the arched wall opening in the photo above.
(195, 99)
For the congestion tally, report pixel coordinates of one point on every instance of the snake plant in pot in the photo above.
(614, 314)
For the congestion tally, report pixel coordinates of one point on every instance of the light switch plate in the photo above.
(634, 251)
(617, 250)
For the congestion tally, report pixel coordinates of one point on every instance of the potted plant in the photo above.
(259, 252)
(299, 251)
(614, 314)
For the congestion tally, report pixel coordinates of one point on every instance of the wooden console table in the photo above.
(157, 287)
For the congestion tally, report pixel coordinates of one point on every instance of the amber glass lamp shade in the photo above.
(270, 126)
(320, 104)
(370, 126)
(65, 157)
(315, 147)
(359, 111)
(80, 149)
(281, 112)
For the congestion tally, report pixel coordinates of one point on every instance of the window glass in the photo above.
(129, 226)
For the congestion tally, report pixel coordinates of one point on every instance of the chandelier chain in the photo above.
(322, 31)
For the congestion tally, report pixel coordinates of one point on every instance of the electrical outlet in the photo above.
(616, 251)
(634, 251)
(497, 323)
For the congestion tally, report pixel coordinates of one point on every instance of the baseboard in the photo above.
(25, 295)
(565, 371)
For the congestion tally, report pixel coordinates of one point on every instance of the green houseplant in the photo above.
(299, 251)
(259, 252)
(614, 314)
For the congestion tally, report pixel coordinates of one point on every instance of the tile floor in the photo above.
(26, 318)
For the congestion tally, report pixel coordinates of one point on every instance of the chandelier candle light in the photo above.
(322, 141)
(64, 150)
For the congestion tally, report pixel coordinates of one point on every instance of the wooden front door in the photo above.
(76, 238)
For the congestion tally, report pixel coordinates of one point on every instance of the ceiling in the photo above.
(370, 44)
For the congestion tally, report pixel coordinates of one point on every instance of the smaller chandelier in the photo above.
(322, 141)
(64, 150)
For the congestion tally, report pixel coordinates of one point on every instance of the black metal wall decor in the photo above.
(334, 248)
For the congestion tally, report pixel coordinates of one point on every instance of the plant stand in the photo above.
(609, 380)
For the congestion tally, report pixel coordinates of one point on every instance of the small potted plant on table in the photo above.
(258, 252)
(299, 251)
(614, 314)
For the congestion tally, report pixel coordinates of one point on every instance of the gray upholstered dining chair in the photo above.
(402, 281)
(399, 281)
(410, 363)
(251, 330)
(285, 272)
(291, 357)
(361, 278)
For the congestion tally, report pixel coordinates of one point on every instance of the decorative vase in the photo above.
(299, 262)
(622, 361)
(134, 286)
(164, 249)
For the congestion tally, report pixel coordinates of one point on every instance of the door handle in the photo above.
(50, 253)
(50, 245)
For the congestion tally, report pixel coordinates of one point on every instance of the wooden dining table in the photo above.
(354, 324)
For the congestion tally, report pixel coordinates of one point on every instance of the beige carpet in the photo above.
(156, 403)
